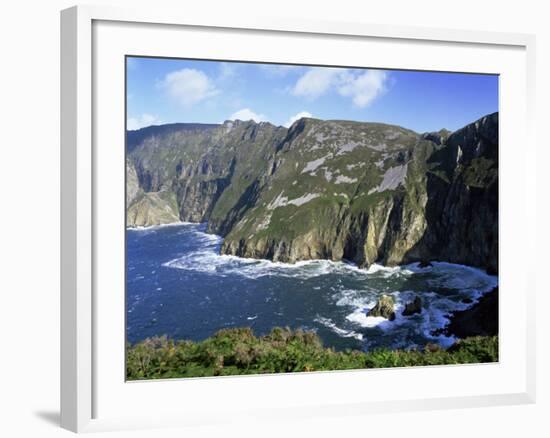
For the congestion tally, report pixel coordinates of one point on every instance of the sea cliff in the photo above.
(365, 192)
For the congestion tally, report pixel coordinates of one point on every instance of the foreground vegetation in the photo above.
(238, 351)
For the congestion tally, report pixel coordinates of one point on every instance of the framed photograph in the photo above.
(269, 217)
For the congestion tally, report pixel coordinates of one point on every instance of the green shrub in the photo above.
(238, 351)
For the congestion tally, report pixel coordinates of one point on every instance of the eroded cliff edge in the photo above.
(366, 192)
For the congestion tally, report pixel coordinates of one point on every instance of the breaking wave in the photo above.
(327, 322)
(207, 259)
(149, 228)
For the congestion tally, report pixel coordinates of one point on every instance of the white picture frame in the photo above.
(84, 372)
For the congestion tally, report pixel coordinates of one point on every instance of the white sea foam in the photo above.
(327, 322)
(156, 227)
(469, 283)
(207, 238)
(389, 271)
(437, 317)
(359, 317)
(462, 277)
(207, 259)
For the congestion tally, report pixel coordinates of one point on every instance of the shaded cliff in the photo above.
(366, 192)
(462, 207)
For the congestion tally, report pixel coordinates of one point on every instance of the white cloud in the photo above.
(246, 114)
(188, 86)
(295, 117)
(316, 82)
(364, 87)
(227, 70)
(142, 121)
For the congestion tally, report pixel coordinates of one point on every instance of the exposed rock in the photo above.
(132, 183)
(424, 264)
(152, 209)
(393, 178)
(439, 137)
(413, 307)
(479, 320)
(383, 308)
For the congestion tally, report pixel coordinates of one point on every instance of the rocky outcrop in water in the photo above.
(366, 192)
(415, 306)
(383, 308)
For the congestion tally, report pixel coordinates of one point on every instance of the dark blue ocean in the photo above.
(178, 285)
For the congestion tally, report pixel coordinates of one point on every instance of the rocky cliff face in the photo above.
(462, 207)
(365, 192)
(206, 167)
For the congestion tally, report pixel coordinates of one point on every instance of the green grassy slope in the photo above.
(238, 351)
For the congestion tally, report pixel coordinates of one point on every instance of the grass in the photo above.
(237, 351)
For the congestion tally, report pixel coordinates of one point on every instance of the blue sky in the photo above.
(169, 90)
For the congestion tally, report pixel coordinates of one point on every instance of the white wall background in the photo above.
(29, 215)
